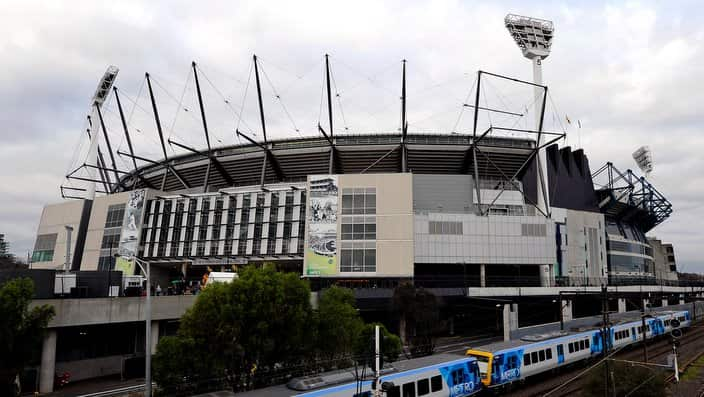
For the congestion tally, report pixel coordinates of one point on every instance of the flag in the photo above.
(579, 123)
(568, 120)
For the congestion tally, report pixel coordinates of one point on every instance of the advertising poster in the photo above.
(129, 237)
(321, 250)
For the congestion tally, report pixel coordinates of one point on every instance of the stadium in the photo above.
(499, 212)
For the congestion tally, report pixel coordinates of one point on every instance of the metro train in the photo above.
(503, 363)
(490, 367)
(457, 378)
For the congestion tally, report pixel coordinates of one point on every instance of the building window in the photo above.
(533, 229)
(358, 257)
(116, 213)
(358, 234)
(438, 227)
(359, 201)
(44, 248)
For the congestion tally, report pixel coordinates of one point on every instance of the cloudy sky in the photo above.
(629, 71)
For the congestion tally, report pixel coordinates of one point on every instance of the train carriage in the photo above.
(457, 378)
(503, 363)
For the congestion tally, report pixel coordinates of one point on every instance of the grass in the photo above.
(694, 370)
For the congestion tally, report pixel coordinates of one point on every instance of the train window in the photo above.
(526, 359)
(541, 355)
(394, 392)
(363, 394)
(513, 362)
(548, 354)
(436, 383)
(409, 389)
(534, 357)
(586, 343)
(581, 345)
(571, 347)
(423, 387)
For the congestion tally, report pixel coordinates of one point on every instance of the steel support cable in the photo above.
(339, 101)
(173, 98)
(322, 95)
(281, 101)
(222, 96)
(179, 106)
(146, 112)
(462, 107)
(244, 97)
(370, 79)
(298, 76)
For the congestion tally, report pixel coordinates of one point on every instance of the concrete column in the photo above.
(155, 335)
(664, 302)
(646, 302)
(682, 300)
(566, 310)
(545, 277)
(48, 364)
(621, 305)
(514, 316)
(482, 275)
(507, 322)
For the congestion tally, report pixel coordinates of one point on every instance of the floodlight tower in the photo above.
(534, 38)
(98, 99)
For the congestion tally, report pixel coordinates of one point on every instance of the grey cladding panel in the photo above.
(443, 193)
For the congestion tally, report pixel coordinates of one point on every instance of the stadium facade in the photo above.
(443, 210)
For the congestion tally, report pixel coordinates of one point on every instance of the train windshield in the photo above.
(482, 362)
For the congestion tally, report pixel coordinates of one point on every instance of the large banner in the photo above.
(321, 250)
(129, 237)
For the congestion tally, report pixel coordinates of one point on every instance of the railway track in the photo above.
(691, 347)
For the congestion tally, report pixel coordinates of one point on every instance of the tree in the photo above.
(364, 347)
(248, 328)
(339, 324)
(625, 379)
(21, 330)
(419, 316)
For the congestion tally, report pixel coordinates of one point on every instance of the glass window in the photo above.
(409, 389)
(445, 227)
(526, 359)
(394, 392)
(534, 357)
(44, 248)
(570, 348)
(115, 215)
(581, 345)
(436, 383)
(548, 354)
(541, 355)
(423, 387)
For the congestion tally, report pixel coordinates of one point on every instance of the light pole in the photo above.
(534, 37)
(144, 267)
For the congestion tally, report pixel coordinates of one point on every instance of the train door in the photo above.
(560, 354)
(633, 334)
(597, 343)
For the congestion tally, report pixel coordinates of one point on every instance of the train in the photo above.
(504, 363)
(491, 367)
(459, 378)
